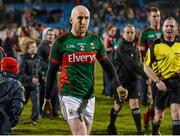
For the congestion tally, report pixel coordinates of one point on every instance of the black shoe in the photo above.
(158, 133)
(112, 130)
(34, 122)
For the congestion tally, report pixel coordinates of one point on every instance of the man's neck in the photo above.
(169, 39)
(155, 27)
(77, 34)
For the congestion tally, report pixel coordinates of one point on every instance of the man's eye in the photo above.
(80, 18)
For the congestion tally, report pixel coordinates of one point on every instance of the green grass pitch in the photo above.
(124, 123)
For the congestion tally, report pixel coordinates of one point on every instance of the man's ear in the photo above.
(70, 20)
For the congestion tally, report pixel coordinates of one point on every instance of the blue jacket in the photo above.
(11, 101)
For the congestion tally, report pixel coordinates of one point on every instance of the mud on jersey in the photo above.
(77, 57)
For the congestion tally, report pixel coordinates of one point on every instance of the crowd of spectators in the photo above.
(118, 12)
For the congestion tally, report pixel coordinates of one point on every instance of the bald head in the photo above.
(170, 19)
(78, 9)
(170, 29)
(79, 19)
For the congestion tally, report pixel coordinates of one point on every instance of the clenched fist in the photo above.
(47, 109)
(122, 93)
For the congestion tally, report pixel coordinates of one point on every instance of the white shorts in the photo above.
(72, 107)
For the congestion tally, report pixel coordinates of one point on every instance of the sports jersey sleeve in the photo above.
(55, 53)
(142, 40)
(147, 59)
(101, 54)
(150, 57)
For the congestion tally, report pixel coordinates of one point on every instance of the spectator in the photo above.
(29, 76)
(11, 44)
(2, 53)
(11, 95)
(109, 41)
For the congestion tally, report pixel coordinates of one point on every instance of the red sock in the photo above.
(152, 113)
(147, 115)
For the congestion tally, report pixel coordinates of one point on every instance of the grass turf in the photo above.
(124, 123)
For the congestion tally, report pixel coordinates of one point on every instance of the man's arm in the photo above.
(110, 71)
(51, 76)
(112, 75)
(159, 84)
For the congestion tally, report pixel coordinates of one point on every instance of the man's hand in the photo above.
(122, 93)
(35, 80)
(160, 85)
(149, 82)
(47, 108)
(178, 73)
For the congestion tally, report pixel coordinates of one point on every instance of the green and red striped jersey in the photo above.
(77, 57)
(147, 36)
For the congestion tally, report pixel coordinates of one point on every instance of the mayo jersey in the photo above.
(77, 56)
(147, 36)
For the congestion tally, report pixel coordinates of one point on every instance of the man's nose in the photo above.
(83, 21)
(130, 35)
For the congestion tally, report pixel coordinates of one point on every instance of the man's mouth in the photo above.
(82, 26)
(169, 32)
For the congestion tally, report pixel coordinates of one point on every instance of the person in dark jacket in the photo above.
(29, 76)
(2, 52)
(11, 95)
(48, 37)
(11, 44)
(128, 69)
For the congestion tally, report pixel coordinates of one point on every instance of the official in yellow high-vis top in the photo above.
(162, 65)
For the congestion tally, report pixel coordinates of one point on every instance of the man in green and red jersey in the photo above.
(76, 53)
(153, 32)
(146, 38)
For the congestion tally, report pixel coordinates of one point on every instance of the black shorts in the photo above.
(133, 92)
(132, 88)
(172, 95)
